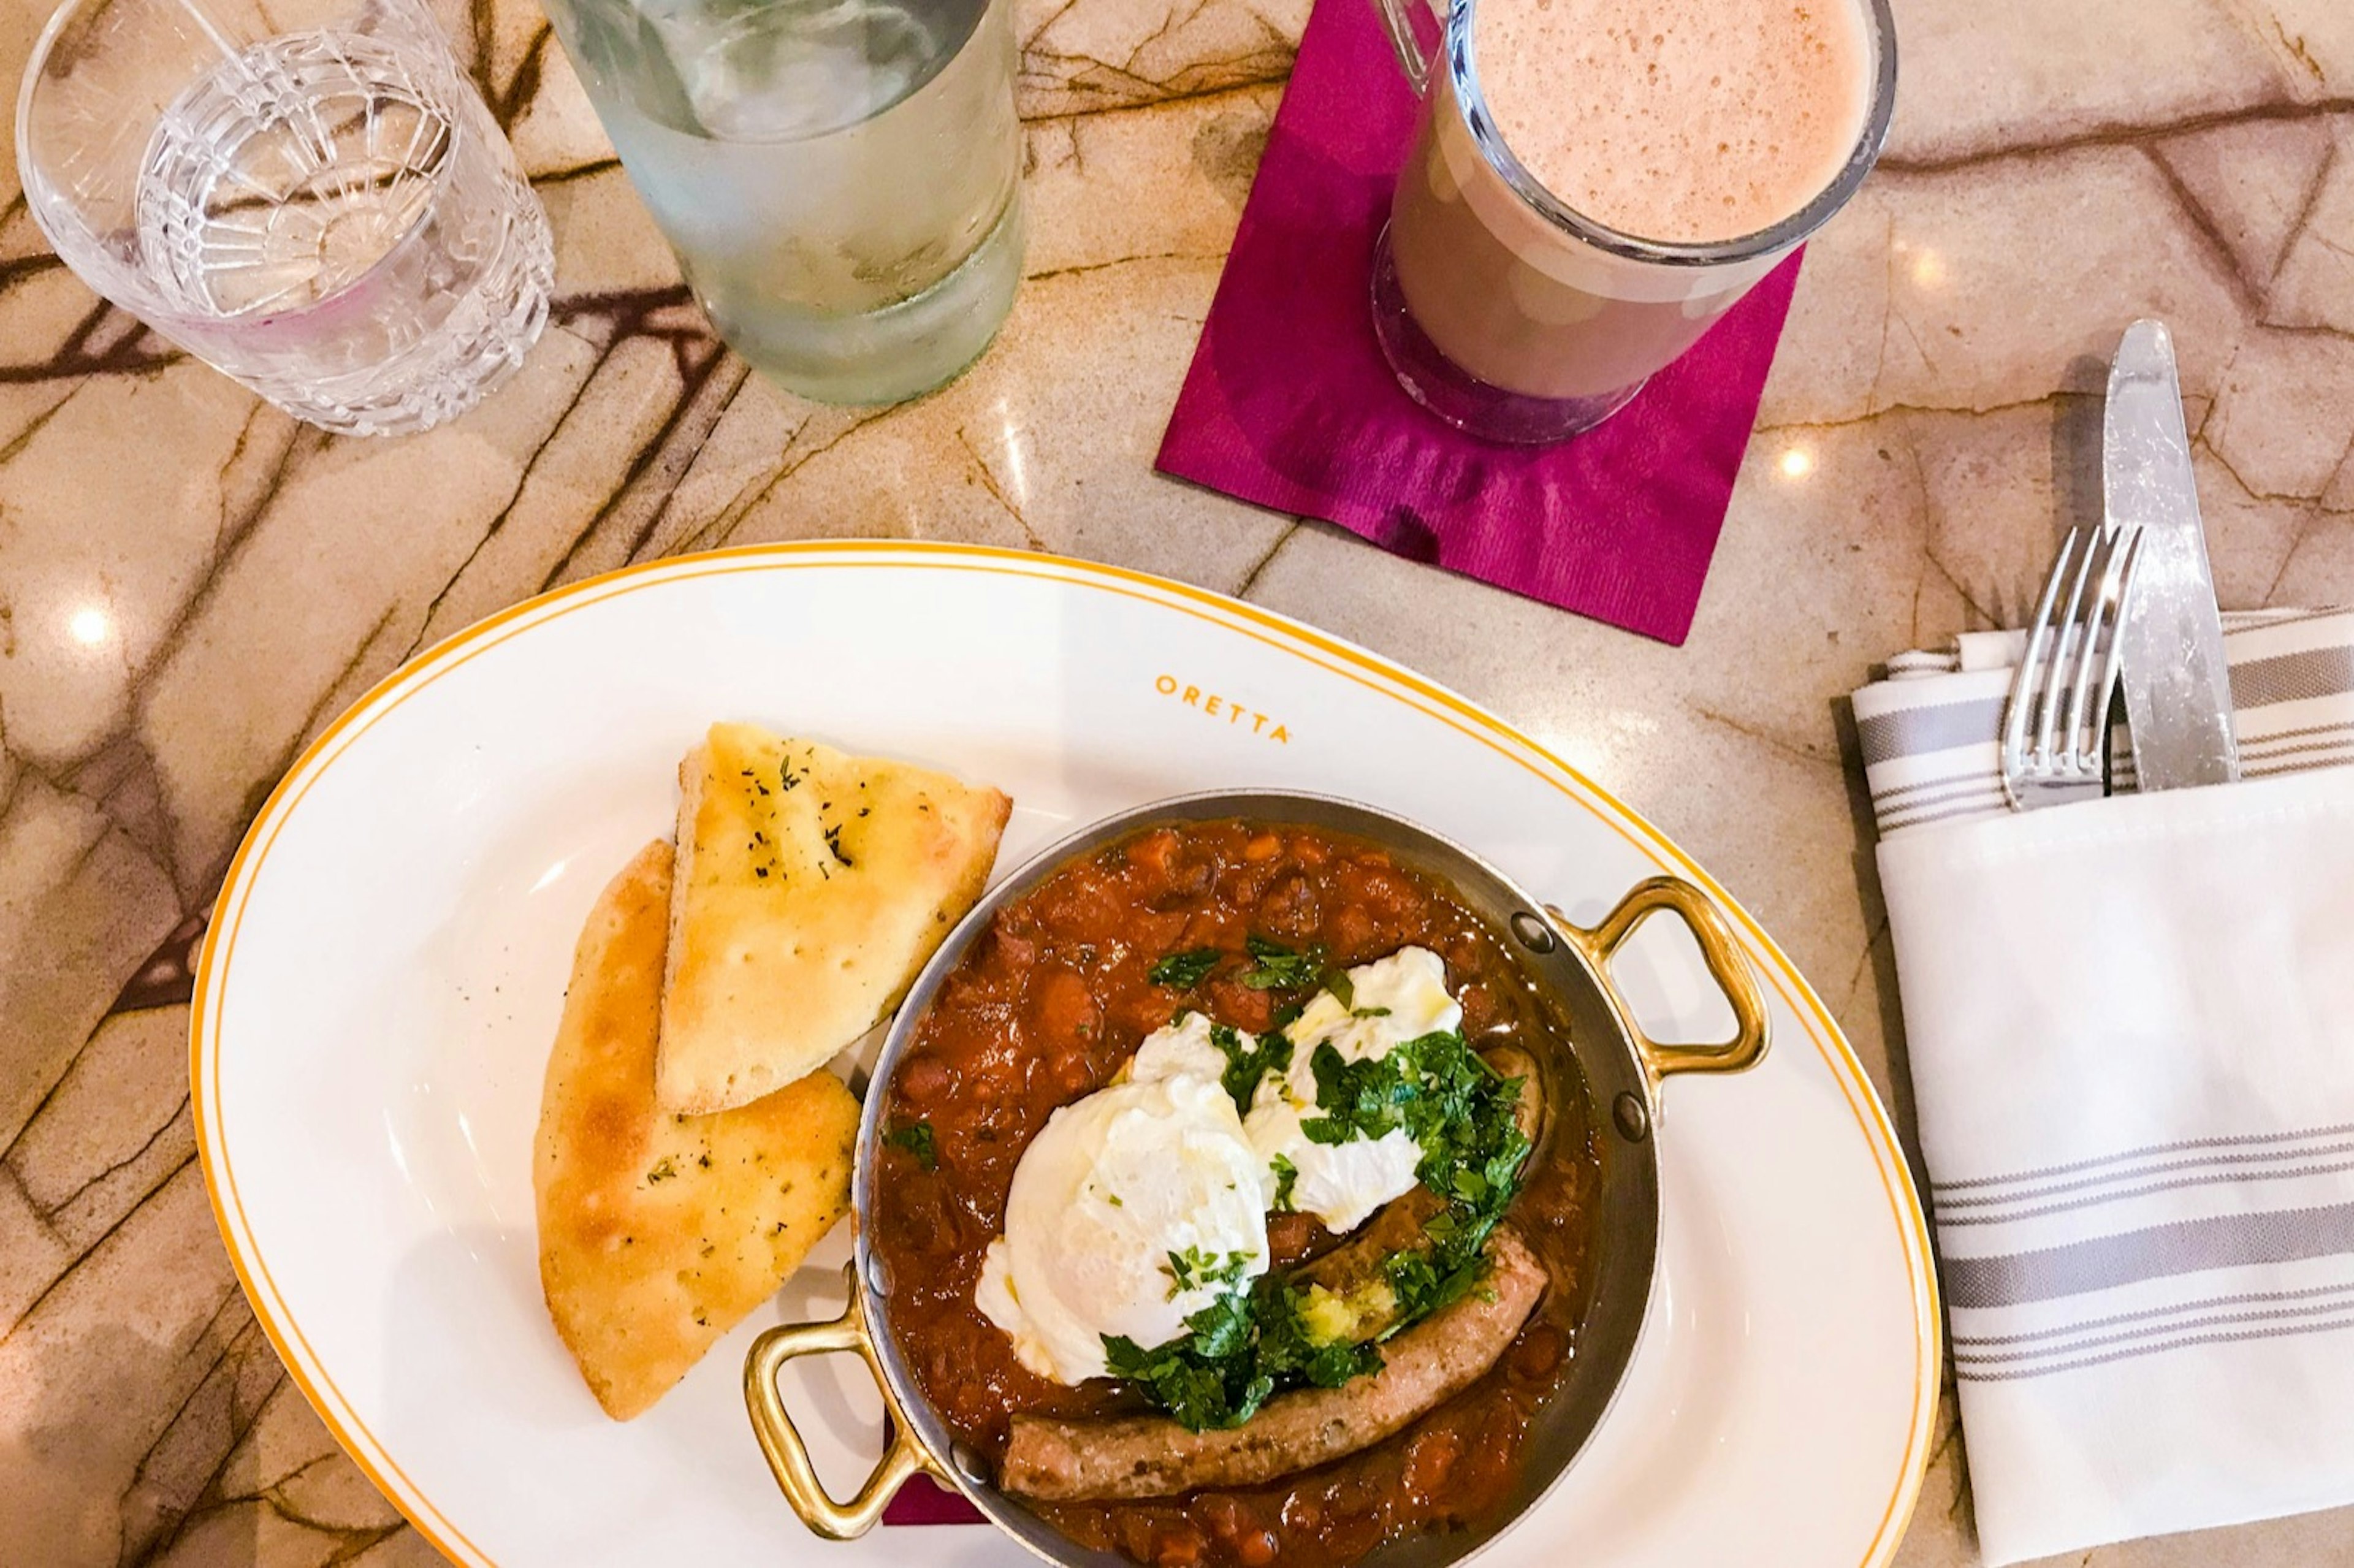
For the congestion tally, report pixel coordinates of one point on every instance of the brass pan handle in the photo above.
(781, 1441)
(1727, 965)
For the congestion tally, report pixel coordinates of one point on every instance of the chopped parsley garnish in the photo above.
(1254, 1340)
(1238, 1350)
(1183, 970)
(833, 842)
(1461, 1112)
(1423, 1282)
(916, 1139)
(1249, 1058)
(1259, 1337)
(662, 1172)
(1193, 1268)
(1281, 969)
(1287, 1176)
(1365, 1098)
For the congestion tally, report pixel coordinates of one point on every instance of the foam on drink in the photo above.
(1687, 121)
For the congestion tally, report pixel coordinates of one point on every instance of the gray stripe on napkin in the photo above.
(1971, 1374)
(2153, 1332)
(1905, 796)
(2232, 1140)
(2236, 1168)
(1933, 793)
(2179, 1309)
(2303, 732)
(2294, 677)
(2184, 1246)
(1978, 804)
(1907, 731)
(2260, 760)
(2208, 1179)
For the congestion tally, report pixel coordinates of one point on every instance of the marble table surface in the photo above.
(191, 586)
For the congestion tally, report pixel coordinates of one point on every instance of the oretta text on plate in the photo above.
(1215, 705)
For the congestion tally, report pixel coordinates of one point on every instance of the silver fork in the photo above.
(2055, 729)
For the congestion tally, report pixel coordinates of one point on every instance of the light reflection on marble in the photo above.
(191, 586)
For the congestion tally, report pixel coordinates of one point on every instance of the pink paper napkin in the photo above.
(1289, 403)
(923, 1500)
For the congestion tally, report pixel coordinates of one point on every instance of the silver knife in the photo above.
(2178, 687)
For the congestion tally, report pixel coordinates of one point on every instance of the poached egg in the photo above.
(1151, 1165)
(1160, 1166)
(1394, 999)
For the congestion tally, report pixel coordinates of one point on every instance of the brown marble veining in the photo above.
(191, 586)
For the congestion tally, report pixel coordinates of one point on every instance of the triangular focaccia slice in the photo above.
(812, 886)
(659, 1232)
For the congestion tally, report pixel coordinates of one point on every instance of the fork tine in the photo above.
(2023, 685)
(2071, 663)
(2112, 550)
(2048, 728)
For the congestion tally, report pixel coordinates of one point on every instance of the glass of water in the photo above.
(308, 195)
(840, 178)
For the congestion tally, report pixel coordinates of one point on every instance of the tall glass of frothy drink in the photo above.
(1594, 182)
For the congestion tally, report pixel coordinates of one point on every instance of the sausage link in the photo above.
(1152, 1456)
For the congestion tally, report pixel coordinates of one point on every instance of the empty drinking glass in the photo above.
(311, 197)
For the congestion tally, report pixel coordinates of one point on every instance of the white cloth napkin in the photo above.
(2131, 1030)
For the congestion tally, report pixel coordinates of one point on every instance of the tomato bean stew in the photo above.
(1047, 1005)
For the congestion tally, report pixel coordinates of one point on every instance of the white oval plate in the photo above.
(388, 961)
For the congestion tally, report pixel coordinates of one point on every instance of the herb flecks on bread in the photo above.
(658, 1231)
(810, 888)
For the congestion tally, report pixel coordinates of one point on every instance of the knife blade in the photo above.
(2178, 687)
